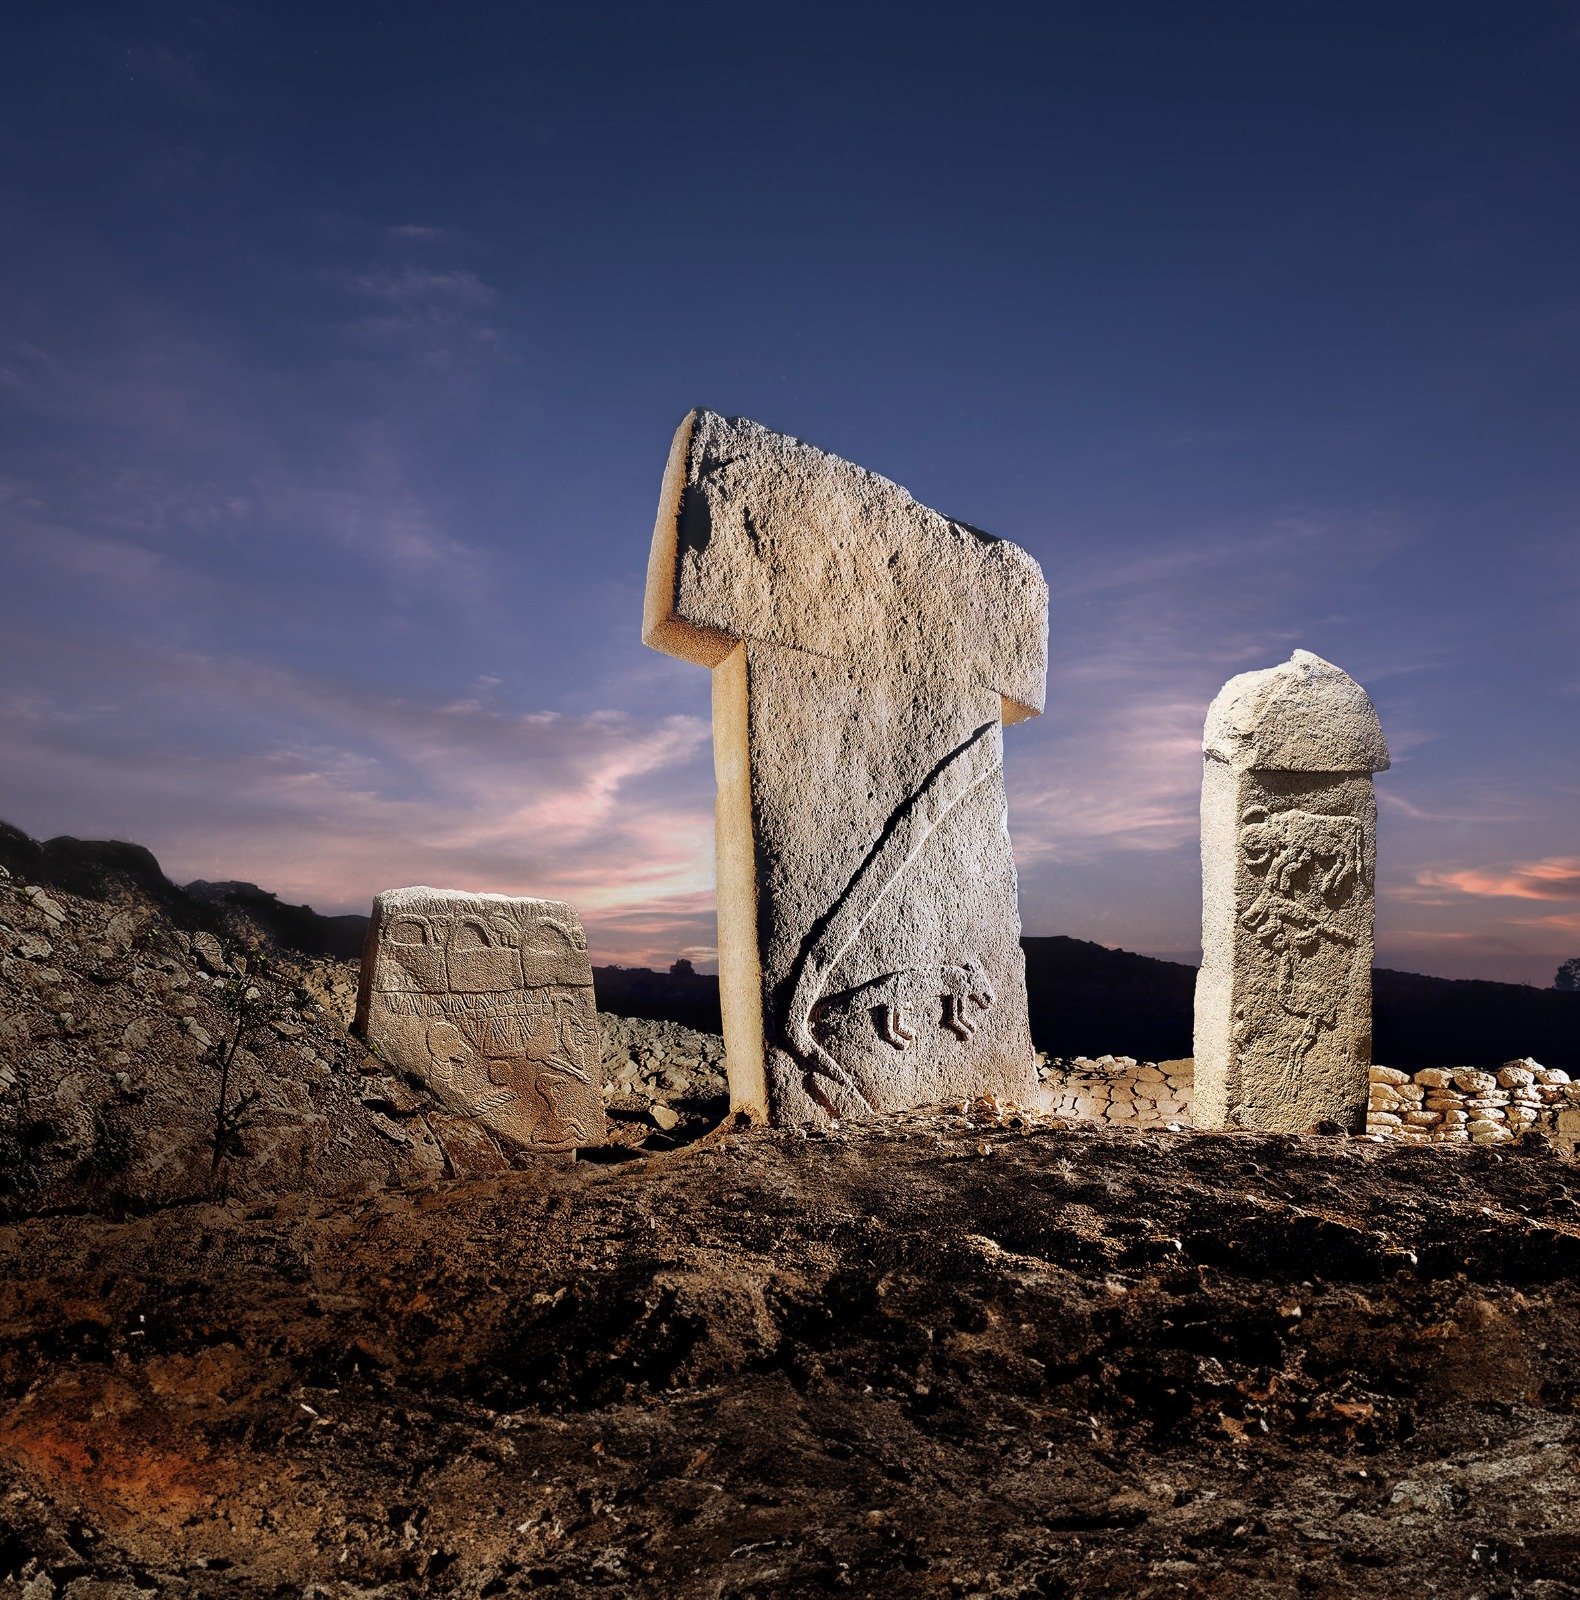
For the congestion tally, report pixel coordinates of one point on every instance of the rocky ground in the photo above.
(971, 1352)
(949, 1356)
(157, 1050)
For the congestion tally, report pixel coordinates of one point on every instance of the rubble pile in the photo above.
(144, 1063)
(156, 1049)
(663, 1084)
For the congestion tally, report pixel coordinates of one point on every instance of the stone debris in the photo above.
(207, 948)
(41, 902)
(1435, 1105)
(113, 1025)
(660, 1060)
(1288, 851)
(661, 1075)
(866, 652)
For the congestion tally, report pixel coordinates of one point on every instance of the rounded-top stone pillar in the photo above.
(1288, 849)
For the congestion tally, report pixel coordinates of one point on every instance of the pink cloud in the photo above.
(326, 791)
(1556, 878)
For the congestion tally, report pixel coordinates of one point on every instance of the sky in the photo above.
(341, 347)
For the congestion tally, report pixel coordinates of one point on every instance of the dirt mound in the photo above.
(157, 1048)
(947, 1356)
(147, 1058)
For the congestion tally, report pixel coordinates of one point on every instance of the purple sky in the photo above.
(340, 348)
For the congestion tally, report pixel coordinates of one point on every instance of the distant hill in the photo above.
(1085, 999)
(296, 927)
(1088, 1000)
(691, 998)
(92, 867)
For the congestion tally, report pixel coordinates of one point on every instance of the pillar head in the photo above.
(763, 537)
(1305, 715)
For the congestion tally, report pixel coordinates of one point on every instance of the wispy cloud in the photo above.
(1140, 644)
(327, 791)
(1557, 878)
(168, 464)
(1127, 780)
(1562, 924)
(414, 288)
(439, 317)
(1482, 811)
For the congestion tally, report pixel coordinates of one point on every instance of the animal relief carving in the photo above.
(828, 1082)
(1283, 995)
(902, 1004)
(488, 1000)
(1310, 865)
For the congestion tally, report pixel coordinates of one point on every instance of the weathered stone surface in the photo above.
(865, 651)
(488, 1001)
(1283, 998)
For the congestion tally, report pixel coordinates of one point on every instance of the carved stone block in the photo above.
(865, 652)
(488, 999)
(1288, 846)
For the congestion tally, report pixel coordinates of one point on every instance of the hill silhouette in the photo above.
(1084, 998)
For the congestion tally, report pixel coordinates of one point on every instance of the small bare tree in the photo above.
(231, 1117)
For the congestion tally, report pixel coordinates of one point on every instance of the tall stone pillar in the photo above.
(865, 652)
(1288, 854)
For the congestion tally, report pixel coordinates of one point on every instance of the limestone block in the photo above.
(865, 652)
(1283, 997)
(488, 1000)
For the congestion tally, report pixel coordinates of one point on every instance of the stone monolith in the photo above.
(865, 652)
(1288, 852)
(488, 1000)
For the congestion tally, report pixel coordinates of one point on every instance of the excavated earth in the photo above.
(946, 1357)
(958, 1353)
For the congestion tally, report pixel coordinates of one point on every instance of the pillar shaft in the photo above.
(1288, 842)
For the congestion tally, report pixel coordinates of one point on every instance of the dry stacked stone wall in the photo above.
(1118, 1089)
(1460, 1105)
(1438, 1105)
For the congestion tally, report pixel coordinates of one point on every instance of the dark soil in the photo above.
(940, 1357)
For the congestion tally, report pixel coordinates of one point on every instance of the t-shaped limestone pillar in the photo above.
(865, 651)
(1288, 855)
